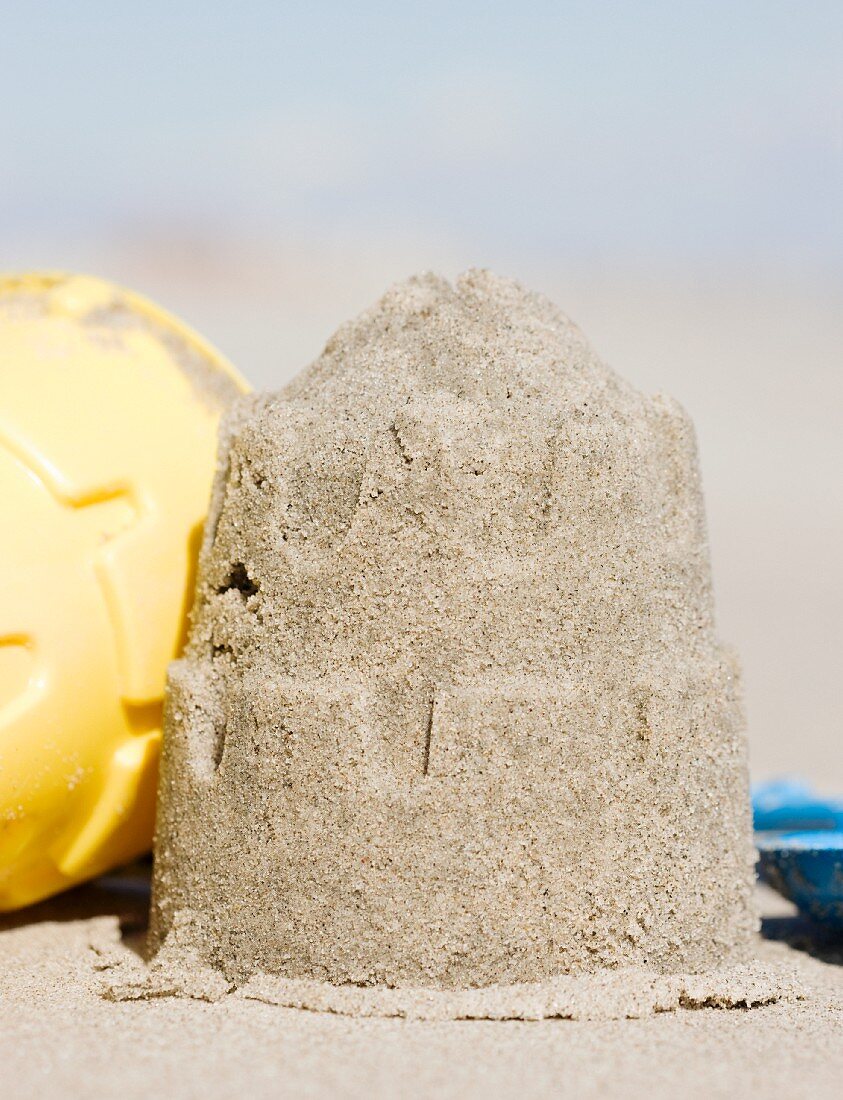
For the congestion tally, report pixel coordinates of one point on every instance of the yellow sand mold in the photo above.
(108, 417)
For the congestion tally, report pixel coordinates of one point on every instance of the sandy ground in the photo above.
(60, 1038)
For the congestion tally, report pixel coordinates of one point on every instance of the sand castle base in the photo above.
(629, 993)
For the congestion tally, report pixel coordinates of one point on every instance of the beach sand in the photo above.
(61, 1038)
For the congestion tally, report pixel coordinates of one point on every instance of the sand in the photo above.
(60, 1038)
(453, 712)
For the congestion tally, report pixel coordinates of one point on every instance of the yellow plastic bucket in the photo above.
(108, 418)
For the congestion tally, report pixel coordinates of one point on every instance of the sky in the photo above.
(658, 131)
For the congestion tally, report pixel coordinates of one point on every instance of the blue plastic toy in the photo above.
(799, 837)
(807, 868)
(788, 805)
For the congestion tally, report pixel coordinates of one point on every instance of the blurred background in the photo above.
(670, 173)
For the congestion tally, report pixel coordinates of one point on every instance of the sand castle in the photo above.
(453, 711)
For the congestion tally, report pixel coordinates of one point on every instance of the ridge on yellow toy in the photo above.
(108, 417)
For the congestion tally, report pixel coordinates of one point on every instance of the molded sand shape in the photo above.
(453, 713)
